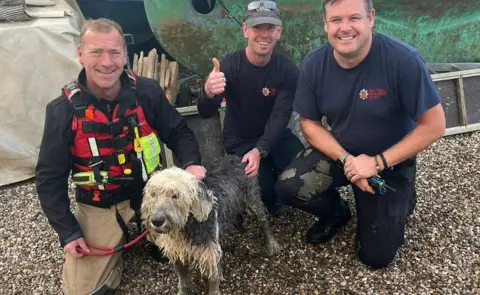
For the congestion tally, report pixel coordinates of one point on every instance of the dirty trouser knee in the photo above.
(96, 274)
(309, 183)
(381, 219)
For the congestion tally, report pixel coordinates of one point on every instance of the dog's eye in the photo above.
(174, 196)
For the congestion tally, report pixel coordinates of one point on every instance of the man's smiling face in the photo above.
(103, 55)
(262, 38)
(348, 25)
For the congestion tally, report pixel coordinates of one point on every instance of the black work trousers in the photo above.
(272, 165)
(310, 183)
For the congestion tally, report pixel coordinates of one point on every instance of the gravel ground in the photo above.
(441, 254)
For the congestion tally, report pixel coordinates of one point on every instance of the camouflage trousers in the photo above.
(310, 184)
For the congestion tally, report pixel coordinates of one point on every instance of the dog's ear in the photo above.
(203, 203)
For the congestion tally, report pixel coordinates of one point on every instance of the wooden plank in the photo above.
(163, 65)
(166, 83)
(461, 102)
(462, 129)
(140, 64)
(173, 66)
(455, 75)
(155, 66)
(145, 66)
(150, 65)
(135, 63)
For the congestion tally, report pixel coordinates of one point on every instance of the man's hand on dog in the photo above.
(216, 81)
(198, 171)
(252, 158)
(71, 248)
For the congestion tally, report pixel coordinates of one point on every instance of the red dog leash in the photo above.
(110, 250)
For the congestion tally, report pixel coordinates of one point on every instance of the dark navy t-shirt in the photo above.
(372, 106)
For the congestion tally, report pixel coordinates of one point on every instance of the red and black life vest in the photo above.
(105, 147)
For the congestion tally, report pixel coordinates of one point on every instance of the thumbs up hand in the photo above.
(216, 81)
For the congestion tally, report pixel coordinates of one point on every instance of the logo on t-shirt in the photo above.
(372, 93)
(266, 91)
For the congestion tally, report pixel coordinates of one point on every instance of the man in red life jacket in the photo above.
(105, 127)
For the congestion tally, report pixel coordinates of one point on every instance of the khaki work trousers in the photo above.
(92, 274)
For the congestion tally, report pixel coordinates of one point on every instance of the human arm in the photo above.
(213, 91)
(52, 171)
(419, 97)
(321, 139)
(174, 131)
(306, 104)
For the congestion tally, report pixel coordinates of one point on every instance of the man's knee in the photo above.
(378, 249)
(378, 256)
(287, 186)
(96, 275)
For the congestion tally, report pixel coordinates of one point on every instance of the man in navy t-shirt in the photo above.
(382, 109)
(259, 87)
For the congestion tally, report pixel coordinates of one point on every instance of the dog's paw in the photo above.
(273, 248)
(186, 288)
(185, 291)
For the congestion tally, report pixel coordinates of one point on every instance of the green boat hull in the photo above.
(443, 31)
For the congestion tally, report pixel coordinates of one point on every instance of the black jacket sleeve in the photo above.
(281, 112)
(53, 168)
(174, 131)
(208, 107)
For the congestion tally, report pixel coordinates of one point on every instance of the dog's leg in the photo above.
(214, 281)
(185, 286)
(256, 206)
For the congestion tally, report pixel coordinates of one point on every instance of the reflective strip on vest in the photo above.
(144, 170)
(73, 91)
(93, 147)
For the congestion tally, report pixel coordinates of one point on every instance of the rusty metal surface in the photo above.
(448, 93)
(443, 31)
(471, 86)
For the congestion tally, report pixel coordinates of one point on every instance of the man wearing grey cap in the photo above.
(258, 85)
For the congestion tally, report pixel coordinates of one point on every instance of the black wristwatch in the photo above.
(341, 160)
(262, 150)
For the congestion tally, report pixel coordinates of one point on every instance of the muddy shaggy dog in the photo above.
(186, 217)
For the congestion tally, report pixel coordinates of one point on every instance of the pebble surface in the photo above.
(441, 254)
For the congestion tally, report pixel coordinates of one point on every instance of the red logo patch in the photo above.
(372, 93)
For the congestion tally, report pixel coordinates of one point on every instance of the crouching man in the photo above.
(383, 109)
(258, 85)
(105, 127)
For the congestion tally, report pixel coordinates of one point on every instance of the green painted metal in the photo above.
(443, 31)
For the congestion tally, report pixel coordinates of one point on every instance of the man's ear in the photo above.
(371, 18)
(279, 32)
(245, 30)
(80, 54)
(202, 203)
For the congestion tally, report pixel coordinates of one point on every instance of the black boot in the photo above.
(324, 229)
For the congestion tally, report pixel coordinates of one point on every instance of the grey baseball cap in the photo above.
(262, 12)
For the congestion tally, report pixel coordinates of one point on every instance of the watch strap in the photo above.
(262, 150)
(341, 160)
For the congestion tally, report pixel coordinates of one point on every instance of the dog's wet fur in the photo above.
(186, 217)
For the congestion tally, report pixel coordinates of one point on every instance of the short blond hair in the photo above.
(101, 25)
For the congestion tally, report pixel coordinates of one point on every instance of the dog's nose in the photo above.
(158, 221)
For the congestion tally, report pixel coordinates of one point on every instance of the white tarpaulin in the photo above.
(37, 58)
